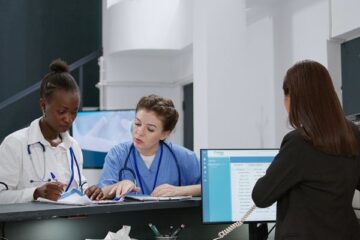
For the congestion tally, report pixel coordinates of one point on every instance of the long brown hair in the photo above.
(316, 111)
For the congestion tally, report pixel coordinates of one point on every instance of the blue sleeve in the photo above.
(189, 165)
(114, 162)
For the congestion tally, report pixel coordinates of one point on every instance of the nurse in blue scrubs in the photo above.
(150, 164)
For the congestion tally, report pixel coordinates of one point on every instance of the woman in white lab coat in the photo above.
(43, 160)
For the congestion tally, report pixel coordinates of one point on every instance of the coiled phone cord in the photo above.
(233, 226)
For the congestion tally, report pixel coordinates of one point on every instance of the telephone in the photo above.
(233, 226)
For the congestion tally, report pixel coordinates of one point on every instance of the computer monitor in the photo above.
(98, 131)
(228, 177)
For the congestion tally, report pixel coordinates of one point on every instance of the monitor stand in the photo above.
(258, 231)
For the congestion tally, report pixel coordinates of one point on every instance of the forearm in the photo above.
(17, 196)
(191, 190)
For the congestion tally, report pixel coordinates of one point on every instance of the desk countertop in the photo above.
(37, 210)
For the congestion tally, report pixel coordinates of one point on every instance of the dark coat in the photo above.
(313, 191)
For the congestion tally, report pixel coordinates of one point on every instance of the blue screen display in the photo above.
(98, 131)
(228, 177)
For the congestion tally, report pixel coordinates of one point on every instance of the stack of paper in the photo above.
(142, 197)
(75, 197)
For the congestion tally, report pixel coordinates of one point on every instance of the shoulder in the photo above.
(73, 142)
(120, 149)
(17, 137)
(293, 138)
(295, 150)
(295, 146)
(180, 150)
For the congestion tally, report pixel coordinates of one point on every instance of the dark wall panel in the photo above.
(350, 65)
(33, 33)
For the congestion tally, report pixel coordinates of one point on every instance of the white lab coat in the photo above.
(18, 169)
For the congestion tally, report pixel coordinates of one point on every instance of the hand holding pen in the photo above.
(50, 190)
(55, 181)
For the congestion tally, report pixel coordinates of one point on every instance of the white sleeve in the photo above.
(11, 171)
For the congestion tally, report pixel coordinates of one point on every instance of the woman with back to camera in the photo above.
(43, 160)
(150, 164)
(315, 174)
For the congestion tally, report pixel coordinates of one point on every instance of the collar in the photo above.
(35, 135)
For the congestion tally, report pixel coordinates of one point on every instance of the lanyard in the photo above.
(157, 170)
(73, 159)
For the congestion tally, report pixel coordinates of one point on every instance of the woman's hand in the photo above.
(94, 193)
(120, 189)
(51, 191)
(166, 190)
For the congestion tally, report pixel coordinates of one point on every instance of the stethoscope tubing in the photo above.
(73, 159)
(126, 168)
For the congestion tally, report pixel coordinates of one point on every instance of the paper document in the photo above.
(142, 197)
(75, 197)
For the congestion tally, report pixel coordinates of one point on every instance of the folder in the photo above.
(142, 197)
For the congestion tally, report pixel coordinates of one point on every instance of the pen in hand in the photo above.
(53, 177)
(117, 198)
(55, 180)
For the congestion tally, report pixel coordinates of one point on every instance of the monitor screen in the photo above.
(228, 177)
(98, 131)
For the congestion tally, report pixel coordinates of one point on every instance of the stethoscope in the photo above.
(42, 179)
(132, 151)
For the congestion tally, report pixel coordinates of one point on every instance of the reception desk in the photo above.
(43, 221)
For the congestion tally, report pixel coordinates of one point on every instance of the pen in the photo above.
(177, 230)
(155, 230)
(171, 229)
(53, 177)
(116, 199)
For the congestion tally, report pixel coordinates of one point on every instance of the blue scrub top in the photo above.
(168, 171)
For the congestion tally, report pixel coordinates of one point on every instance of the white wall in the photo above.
(345, 19)
(301, 31)
(147, 49)
(233, 84)
(144, 24)
(239, 64)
